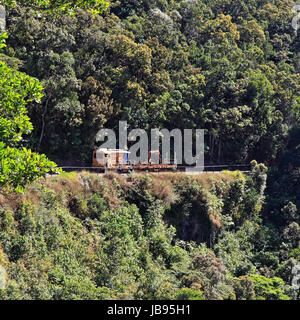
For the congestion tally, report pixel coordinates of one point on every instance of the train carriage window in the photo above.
(98, 155)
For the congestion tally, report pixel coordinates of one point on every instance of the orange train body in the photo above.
(118, 160)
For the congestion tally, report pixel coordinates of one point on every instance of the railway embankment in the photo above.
(79, 235)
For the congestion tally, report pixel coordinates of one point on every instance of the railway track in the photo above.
(190, 170)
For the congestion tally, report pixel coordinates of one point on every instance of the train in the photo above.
(118, 160)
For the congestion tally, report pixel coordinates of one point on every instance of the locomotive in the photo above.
(118, 160)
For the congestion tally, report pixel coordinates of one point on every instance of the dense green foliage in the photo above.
(88, 237)
(60, 6)
(18, 165)
(230, 67)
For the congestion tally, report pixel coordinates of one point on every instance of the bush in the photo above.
(6, 220)
(96, 206)
(268, 288)
(189, 294)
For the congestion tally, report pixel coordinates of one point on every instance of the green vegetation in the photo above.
(70, 68)
(229, 67)
(60, 6)
(18, 165)
(170, 236)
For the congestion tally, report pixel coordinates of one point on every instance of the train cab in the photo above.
(111, 159)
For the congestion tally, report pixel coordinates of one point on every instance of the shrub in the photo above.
(268, 288)
(189, 294)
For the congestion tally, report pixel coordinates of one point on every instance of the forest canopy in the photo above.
(229, 67)
(20, 165)
(60, 6)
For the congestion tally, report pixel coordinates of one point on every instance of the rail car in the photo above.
(118, 160)
(111, 159)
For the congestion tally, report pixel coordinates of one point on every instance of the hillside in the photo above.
(166, 236)
(71, 68)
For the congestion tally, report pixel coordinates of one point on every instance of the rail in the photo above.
(180, 168)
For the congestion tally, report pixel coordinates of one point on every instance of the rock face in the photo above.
(2, 19)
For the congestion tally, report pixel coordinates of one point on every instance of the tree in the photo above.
(184, 64)
(291, 234)
(189, 294)
(61, 6)
(268, 288)
(18, 165)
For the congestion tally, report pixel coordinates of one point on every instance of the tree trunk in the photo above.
(43, 125)
(219, 149)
